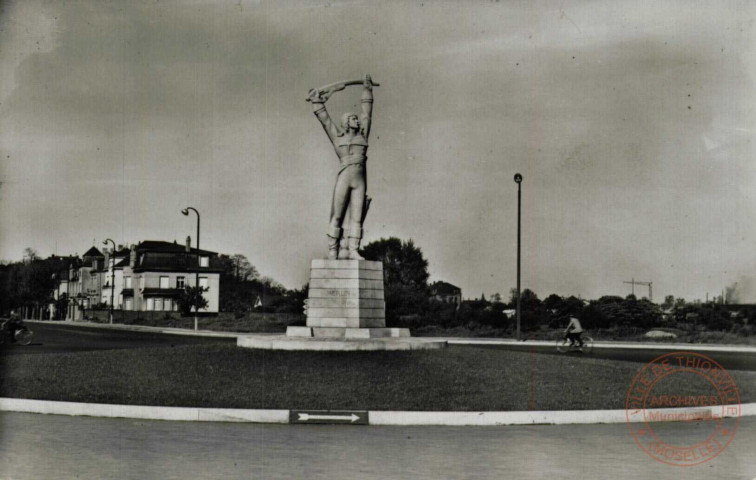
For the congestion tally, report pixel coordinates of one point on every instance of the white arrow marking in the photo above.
(306, 416)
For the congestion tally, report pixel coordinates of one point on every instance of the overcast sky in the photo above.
(631, 122)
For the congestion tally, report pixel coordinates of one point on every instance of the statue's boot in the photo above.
(334, 237)
(355, 237)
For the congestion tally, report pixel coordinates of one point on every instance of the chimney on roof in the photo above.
(132, 257)
(120, 246)
(188, 244)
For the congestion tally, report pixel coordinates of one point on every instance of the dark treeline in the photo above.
(28, 284)
(243, 290)
(408, 305)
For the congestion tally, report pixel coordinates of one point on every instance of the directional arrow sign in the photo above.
(328, 416)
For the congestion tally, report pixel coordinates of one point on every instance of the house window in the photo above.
(180, 282)
(204, 261)
(168, 305)
(127, 282)
(150, 304)
(164, 282)
(129, 304)
(203, 282)
(159, 304)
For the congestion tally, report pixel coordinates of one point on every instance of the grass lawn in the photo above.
(225, 376)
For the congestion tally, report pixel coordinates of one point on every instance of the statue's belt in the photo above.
(350, 160)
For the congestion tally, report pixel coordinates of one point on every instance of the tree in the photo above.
(191, 299)
(273, 285)
(572, 306)
(238, 267)
(34, 280)
(244, 269)
(669, 302)
(405, 274)
(553, 302)
(609, 311)
(528, 299)
(30, 255)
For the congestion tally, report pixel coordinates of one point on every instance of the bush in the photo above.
(743, 330)
(715, 318)
(191, 299)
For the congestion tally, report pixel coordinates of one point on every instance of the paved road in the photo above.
(60, 447)
(729, 360)
(58, 338)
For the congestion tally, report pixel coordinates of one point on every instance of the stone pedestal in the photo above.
(346, 301)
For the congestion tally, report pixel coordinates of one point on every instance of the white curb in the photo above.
(190, 414)
(681, 347)
(546, 417)
(406, 418)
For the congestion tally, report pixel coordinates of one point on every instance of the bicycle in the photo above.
(21, 334)
(563, 345)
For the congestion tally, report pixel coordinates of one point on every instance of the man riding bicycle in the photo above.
(10, 326)
(573, 332)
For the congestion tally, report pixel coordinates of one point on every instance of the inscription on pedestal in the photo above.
(343, 292)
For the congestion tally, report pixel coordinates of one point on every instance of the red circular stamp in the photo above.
(683, 409)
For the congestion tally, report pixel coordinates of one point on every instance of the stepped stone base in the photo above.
(282, 342)
(317, 332)
(345, 301)
(346, 294)
(345, 312)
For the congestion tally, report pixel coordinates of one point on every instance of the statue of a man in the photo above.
(350, 141)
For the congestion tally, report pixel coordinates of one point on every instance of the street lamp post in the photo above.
(112, 277)
(196, 276)
(518, 181)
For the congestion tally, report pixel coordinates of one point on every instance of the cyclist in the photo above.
(11, 325)
(573, 332)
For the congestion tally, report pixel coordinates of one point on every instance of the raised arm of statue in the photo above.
(319, 109)
(367, 107)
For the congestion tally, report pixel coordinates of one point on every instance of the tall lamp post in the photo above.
(518, 181)
(196, 277)
(112, 277)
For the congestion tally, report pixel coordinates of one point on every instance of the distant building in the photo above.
(111, 274)
(446, 293)
(148, 276)
(156, 272)
(68, 287)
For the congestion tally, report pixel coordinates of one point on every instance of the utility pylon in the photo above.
(634, 282)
